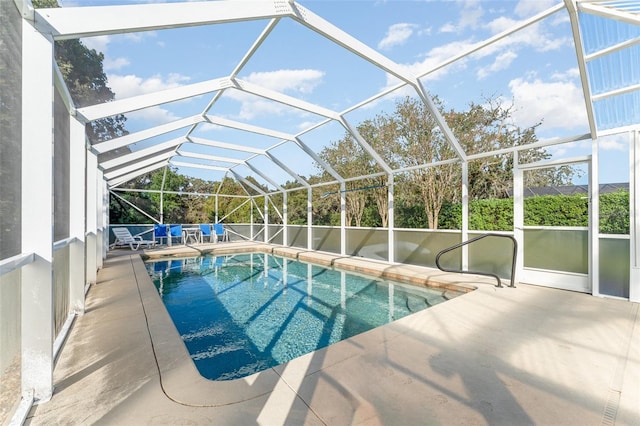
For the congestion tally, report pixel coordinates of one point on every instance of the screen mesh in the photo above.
(10, 129)
(60, 169)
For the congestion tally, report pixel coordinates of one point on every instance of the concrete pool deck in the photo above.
(512, 356)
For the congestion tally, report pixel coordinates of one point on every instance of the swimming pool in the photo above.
(243, 313)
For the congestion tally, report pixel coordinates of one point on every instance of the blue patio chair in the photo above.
(205, 231)
(160, 232)
(221, 232)
(175, 231)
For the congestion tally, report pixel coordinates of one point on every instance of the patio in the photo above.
(529, 355)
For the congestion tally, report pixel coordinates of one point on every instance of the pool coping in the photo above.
(180, 378)
(414, 274)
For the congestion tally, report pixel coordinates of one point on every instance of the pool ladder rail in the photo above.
(488, 274)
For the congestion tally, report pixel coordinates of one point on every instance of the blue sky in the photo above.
(534, 71)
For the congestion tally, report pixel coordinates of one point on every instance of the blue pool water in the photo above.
(243, 313)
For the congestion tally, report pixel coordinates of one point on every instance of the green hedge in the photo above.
(548, 210)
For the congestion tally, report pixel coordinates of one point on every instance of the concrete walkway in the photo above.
(498, 356)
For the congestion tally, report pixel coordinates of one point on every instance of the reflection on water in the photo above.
(243, 313)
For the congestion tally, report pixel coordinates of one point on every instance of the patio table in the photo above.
(191, 234)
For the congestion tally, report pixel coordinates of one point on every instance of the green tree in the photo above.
(420, 142)
(83, 73)
(614, 212)
(348, 159)
(489, 126)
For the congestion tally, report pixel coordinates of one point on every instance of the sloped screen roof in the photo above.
(259, 88)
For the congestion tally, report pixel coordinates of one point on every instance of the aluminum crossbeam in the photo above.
(207, 157)
(132, 138)
(112, 174)
(136, 103)
(224, 145)
(77, 22)
(248, 183)
(198, 166)
(287, 169)
(133, 156)
(264, 176)
(610, 12)
(248, 128)
(125, 178)
(355, 46)
(285, 99)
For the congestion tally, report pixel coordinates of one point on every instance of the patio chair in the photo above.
(124, 238)
(175, 231)
(205, 231)
(160, 232)
(221, 232)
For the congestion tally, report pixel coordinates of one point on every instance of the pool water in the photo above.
(243, 313)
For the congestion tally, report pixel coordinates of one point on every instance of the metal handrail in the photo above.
(488, 274)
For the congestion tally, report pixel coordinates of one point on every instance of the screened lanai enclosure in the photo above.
(307, 124)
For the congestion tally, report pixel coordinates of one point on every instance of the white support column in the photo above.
(309, 219)
(91, 218)
(104, 205)
(465, 215)
(100, 231)
(266, 218)
(77, 265)
(343, 219)
(390, 221)
(518, 214)
(216, 217)
(37, 213)
(251, 221)
(594, 220)
(285, 220)
(634, 220)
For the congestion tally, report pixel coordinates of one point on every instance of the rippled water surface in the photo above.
(238, 316)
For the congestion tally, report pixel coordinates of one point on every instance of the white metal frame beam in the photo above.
(119, 180)
(125, 170)
(224, 145)
(609, 12)
(135, 103)
(348, 42)
(128, 158)
(207, 157)
(77, 22)
(582, 66)
(284, 99)
(132, 138)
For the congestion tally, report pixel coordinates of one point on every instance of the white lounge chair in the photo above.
(124, 238)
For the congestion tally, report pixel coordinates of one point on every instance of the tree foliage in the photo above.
(84, 76)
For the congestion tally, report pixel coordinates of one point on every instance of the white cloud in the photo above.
(99, 43)
(506, 50)
(614, 142)
(250, 107)
(397, 34)
(302, 81)
(115, 64)
(125, 86)
(152, 116)
(559, 104)
(528, 8)
(502, 61)
(434, 58)
(292, 81)
(469, 17)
